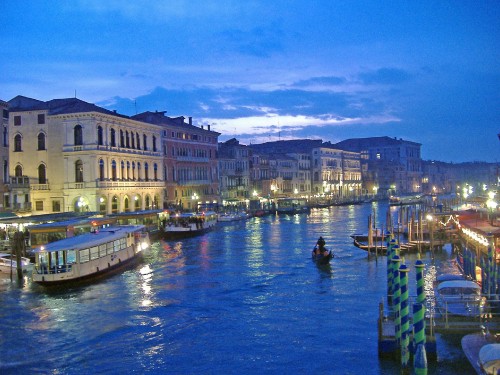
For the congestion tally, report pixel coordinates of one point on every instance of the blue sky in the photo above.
(424, 71)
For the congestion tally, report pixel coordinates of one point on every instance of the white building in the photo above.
(70, 155)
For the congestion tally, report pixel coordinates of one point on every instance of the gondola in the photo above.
(321, 259)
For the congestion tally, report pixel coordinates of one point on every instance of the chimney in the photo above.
(190, 120)
(208, 127)
(498, 135)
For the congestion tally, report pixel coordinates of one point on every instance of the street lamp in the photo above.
(491, 204)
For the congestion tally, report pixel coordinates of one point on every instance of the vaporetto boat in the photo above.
(188, 224)
(89, 255)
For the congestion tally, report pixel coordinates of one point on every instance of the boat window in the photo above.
(71, 257)
(109, 246)
(94, 253)
(117, 245)
(123, 243)
(84, 255)
(102, 250)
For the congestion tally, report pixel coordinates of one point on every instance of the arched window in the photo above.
(78, 133)
(154, 143)
(113, 170)
(144, 142)
(146, 172)
(102, 205)
(133, 171)
(79, 171)
(18, 143)
(128, 170)
(100, 138)
(41, 141)
(126, 205)
(122, 170)
(132, 138)
(101, 170)
(5, 137)
(5, 171)
(139, 171)
(122, 139)
(113, 138)
(138, 141)
(148, 203)
(127, 139)
(18, 171)
(114, 204)
(155, 171)
(42, 178)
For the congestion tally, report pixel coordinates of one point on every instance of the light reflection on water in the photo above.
(245, 298)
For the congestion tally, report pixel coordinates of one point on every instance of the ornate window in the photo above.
(79, 171)
(41, 141)
(113, 138)
(42, 176)
(113, 170)
(100, 139)
(18, 143)
(78, 135)
(101, 170)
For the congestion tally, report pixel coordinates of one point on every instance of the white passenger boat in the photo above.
(189, 224)
(89, 255)
(232, 216)
(459, 298)
(8, 263)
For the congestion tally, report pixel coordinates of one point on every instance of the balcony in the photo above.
(121, 150)
(20, 182)
(21, 207)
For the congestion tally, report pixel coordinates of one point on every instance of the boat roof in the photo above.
(71, 222)
(87, 240)
(459, 284)
(449, 277)
(194, 214)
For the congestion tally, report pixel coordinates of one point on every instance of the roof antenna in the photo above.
(75, 93)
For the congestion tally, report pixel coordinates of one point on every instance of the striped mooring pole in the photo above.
(396, 301)
(405, 316)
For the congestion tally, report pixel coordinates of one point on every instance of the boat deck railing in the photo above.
(44, 270)
(484, 312)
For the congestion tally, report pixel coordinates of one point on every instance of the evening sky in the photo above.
(424, 71)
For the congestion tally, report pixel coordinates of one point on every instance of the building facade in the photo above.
(70, 155)
(189, 161)
(393, 166)
(5, 203)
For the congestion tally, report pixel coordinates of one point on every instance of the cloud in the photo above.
(321, 81)
(385, 76)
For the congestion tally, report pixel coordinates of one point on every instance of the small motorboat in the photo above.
(459, 298)
(8, 263)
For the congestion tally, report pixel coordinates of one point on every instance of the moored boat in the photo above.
(460, 298)
(8, 263)
(188, 224)
(89, 256)
(292, 206)
(232, 216)
(483, 351)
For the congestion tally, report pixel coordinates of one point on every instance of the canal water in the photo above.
(245, 298)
